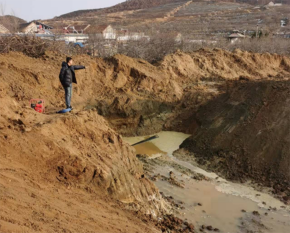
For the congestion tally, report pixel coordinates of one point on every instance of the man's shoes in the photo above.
(71, 107)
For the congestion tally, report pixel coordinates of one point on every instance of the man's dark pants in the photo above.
(68, 95)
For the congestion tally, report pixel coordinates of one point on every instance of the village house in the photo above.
(236, 37)
(78, 29)
(124, 35)
(103, 31)
(173, 35)
(284, 34)
(28, 28)
(3, 30)
(271, 4)
(43, 28)
(178, 38)
(284, 22)
(34, 27)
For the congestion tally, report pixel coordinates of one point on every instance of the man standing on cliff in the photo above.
(67, 77)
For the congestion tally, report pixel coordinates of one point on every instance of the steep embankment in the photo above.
(245, 133)
(58, 173)
(54, 160)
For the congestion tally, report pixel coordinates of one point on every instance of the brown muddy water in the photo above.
(224, 205)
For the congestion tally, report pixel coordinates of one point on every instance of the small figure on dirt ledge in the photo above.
(67, 77)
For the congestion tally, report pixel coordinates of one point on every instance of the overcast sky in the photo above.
(46, 9)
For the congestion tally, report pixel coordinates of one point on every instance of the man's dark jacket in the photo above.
(67, 74)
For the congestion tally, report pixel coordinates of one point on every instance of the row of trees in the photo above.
(157, 47)
(152, 50)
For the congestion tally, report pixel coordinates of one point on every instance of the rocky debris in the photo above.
(205, 228)
(210, 228)
(172, 224)
(156, 177)
(173, 180)
(272, 209)
(256, 213)
(200, 177)
(176, 205)
(163, 160)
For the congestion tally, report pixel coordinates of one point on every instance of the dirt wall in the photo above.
(244, 133)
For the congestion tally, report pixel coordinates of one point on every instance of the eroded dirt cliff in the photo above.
(244, 133)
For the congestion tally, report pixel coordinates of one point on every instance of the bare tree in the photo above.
(14, 22)
(2, 8)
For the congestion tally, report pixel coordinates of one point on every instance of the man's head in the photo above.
(69, 61)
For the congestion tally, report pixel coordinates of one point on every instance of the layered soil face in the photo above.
(244, 133)
(82, 153)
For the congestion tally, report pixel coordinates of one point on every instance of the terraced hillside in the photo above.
(124, 6)
(147, 4)
(206, 18)
(191, 18)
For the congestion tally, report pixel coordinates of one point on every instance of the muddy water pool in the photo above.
(227, 206)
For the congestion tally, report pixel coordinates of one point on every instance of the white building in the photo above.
(271, 4)
(103, 31)
(133, 36)
(28, 28)
(236, 37)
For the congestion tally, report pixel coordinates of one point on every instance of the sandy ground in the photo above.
(29, 204)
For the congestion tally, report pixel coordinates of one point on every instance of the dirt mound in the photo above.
(44, 155)
(222, 64)
(245, 133)
(63, 164)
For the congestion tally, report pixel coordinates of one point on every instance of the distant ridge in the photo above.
(144, 4)
(11, 22)
(124, 6)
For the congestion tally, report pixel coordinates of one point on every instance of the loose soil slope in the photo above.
(58, 173)
(62, 163)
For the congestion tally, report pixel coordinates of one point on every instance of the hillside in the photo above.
(139, 4)
(124, 6)
(145, 4)
(195, 20)
(11, 22)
